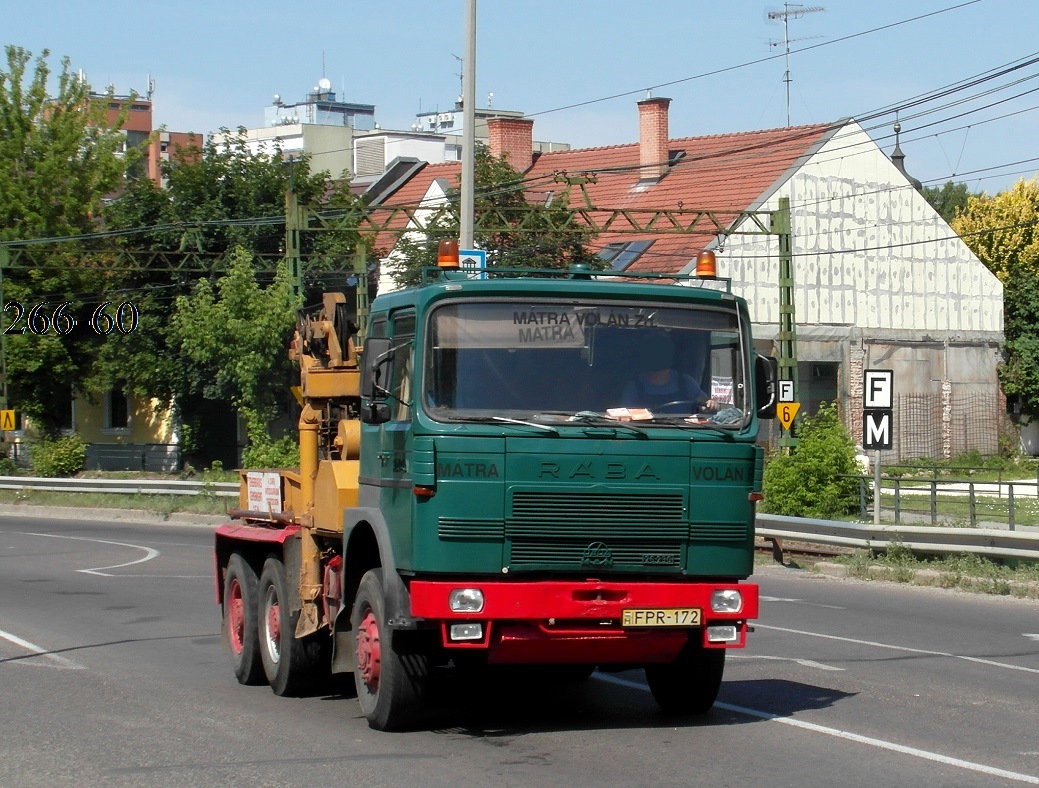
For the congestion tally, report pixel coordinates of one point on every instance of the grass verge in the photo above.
(156, 504)
(966, 572)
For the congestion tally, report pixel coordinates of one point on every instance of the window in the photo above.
(621, 255)
(546, 360)
(117, 412)
(67, 425)
(401, 366)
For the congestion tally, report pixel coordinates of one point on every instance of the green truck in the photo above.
(552, 469)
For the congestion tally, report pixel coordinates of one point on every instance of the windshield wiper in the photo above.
(591, 417)
(525, 423)
(489, 419)
(683, 422)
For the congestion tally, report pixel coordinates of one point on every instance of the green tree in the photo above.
(949, 200)
(217, 199)
(58, 154)
(524, 235)
(230, 340)
(1001, 231)
(813, 481)
(60, 157)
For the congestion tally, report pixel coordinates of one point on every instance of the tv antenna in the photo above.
(791, 11)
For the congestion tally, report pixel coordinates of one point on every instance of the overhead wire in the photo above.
(755, 62)
(526, 183)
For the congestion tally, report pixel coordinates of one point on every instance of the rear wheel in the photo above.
(291, 664)
(690, 684)
(390, 685)
(239, 623)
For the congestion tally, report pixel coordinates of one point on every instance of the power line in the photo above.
(726, 69)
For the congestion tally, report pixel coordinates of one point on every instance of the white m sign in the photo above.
(876, 429)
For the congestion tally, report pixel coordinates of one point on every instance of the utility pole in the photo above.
(787, 337)
(5, 262)
(790, 10)
(468, 129)
(293, 225)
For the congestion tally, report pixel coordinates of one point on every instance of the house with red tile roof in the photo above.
(880, 279)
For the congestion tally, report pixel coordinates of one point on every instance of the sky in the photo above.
(578, 67)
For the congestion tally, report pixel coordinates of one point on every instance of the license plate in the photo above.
(661, 617)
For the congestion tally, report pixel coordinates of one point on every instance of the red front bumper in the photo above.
(579, 621)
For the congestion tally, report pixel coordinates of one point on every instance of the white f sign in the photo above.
(877, 392)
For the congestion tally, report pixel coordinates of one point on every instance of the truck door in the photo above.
(394, 454)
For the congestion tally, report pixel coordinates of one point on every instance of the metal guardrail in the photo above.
(125, 486)
(1000, 501)
(924, 539)
(920, 539)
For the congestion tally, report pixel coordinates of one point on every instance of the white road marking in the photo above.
(1031, 636)
(150, 553)
(799, 602)
(57, 660)
(855, 737)
(875, 644)
(808, 663)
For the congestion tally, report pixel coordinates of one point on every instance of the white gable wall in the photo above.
(880, 281)
(869, 251)
(432, 201)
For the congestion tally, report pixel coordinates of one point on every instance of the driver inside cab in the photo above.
(662, 388)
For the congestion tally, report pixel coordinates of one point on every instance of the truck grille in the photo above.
(470, 528)
(719, 532)
(596, 530)
(557, 509)
(595, 556)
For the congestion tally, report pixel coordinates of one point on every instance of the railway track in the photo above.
(781, 550)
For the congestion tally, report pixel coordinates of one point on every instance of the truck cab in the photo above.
(553, 469)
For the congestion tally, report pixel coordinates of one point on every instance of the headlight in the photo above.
(727, 600)
(473, 631)
(465, 600)
(726, 633)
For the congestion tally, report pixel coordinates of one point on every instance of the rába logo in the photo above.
(597, 554)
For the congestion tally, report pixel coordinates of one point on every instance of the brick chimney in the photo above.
(653, 138)
(513, 138)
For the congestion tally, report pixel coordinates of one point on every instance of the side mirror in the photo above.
(766, 386)
(374, 362)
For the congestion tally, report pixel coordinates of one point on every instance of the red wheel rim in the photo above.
(274, 623)
(236, 616)
(369, 652)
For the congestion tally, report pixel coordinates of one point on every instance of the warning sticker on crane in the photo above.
(264, 491)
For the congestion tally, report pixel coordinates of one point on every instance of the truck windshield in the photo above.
(579, 361)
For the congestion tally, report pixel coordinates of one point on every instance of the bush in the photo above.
(60, 457)
(267, 453)
(9, 467)
(815, 480)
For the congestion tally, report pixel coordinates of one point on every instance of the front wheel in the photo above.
(291, 664)
(390, 685)
(239, 624)
(690, 684)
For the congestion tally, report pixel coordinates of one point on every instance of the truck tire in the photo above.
(239, 621)
(291, 664)
(690, 684)
(390, 685)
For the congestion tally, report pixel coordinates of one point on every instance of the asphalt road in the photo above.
(112, 673)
